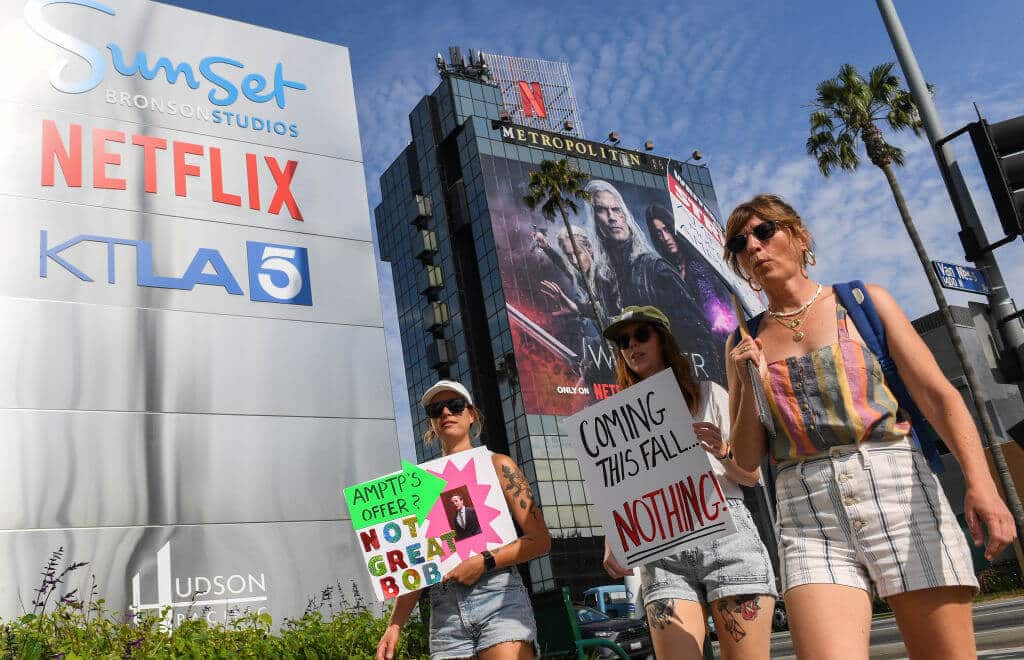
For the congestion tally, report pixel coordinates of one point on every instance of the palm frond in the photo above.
(903, 113)
(897, 155)
(831, 94)
(828, 160)
(821, 120)
(847, 150)
(820, 142)
(882, 84)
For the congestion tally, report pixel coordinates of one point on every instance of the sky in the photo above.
(733, 79)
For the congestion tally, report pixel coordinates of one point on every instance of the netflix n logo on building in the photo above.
(531, 99)
(651, 480)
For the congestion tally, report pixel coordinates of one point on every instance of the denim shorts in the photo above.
(466, 620)
(734, 565)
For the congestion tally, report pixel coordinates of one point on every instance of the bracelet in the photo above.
(489, 561)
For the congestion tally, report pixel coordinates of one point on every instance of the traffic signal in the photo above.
(1000, 148)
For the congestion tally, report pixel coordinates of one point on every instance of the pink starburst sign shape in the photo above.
(437, 520)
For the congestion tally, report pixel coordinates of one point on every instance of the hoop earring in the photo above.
(750, 283)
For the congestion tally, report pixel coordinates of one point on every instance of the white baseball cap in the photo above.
(443, 386)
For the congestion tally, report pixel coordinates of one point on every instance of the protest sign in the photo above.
(416, 525)
(647, 473)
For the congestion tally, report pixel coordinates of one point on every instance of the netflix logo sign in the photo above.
(531, 99)
(650, 479)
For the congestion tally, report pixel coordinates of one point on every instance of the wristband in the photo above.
(489, 562)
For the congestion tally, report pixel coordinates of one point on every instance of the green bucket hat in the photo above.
(636, 314)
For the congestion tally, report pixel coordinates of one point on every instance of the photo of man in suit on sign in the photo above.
(462, 517)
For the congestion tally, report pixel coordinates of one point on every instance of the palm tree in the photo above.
(555, 188)
(848, 107)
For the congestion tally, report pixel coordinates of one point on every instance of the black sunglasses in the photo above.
(455, 406)
(763, 232)
(641, 334)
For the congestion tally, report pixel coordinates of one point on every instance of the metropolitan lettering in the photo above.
(583, 148)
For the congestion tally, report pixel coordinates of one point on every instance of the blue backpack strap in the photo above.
(854, 297)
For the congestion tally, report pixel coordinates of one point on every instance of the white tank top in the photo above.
(714, 409)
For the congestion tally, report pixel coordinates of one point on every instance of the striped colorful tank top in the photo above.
(833, 396)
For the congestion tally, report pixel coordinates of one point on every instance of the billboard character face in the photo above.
(586, 261)
(664, 237)
(610, 218)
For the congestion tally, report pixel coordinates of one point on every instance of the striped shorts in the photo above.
(873, 517)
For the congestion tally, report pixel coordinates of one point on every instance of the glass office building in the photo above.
(470, 261)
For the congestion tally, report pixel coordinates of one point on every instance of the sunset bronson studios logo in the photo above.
(217, 598)
(217, 75)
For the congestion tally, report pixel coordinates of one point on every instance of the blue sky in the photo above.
(733, 79)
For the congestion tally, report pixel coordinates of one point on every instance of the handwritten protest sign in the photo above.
(649, 477)
(412, 491)
(416, 525)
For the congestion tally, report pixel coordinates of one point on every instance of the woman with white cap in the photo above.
(481, 609)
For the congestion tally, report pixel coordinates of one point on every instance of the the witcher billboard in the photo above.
(632, 253)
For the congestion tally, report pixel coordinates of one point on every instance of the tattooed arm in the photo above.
(536, 539)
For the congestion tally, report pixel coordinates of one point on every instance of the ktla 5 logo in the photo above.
(277, 273)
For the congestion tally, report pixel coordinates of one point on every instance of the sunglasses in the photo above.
(763, 232)
(642, 335)
(455, 406)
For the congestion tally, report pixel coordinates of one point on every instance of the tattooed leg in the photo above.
(747, 607)
(677, 628)
(660, 613)
(743, 619)
(729, 621)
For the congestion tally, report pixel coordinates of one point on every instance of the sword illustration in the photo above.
(764, 413)
(541, 336)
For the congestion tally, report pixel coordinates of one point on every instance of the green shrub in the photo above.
(67, 626)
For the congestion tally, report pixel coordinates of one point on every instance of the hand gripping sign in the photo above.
(416, 525)
(647, 473)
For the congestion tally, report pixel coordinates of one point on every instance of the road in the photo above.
(998, 628)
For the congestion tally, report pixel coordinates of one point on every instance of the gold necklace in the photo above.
(792, 325)
(798, 335)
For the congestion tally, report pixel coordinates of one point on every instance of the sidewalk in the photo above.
(997, 625)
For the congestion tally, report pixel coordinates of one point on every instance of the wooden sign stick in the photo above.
(764, 413)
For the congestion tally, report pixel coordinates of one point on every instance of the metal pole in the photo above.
(1000, 303)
